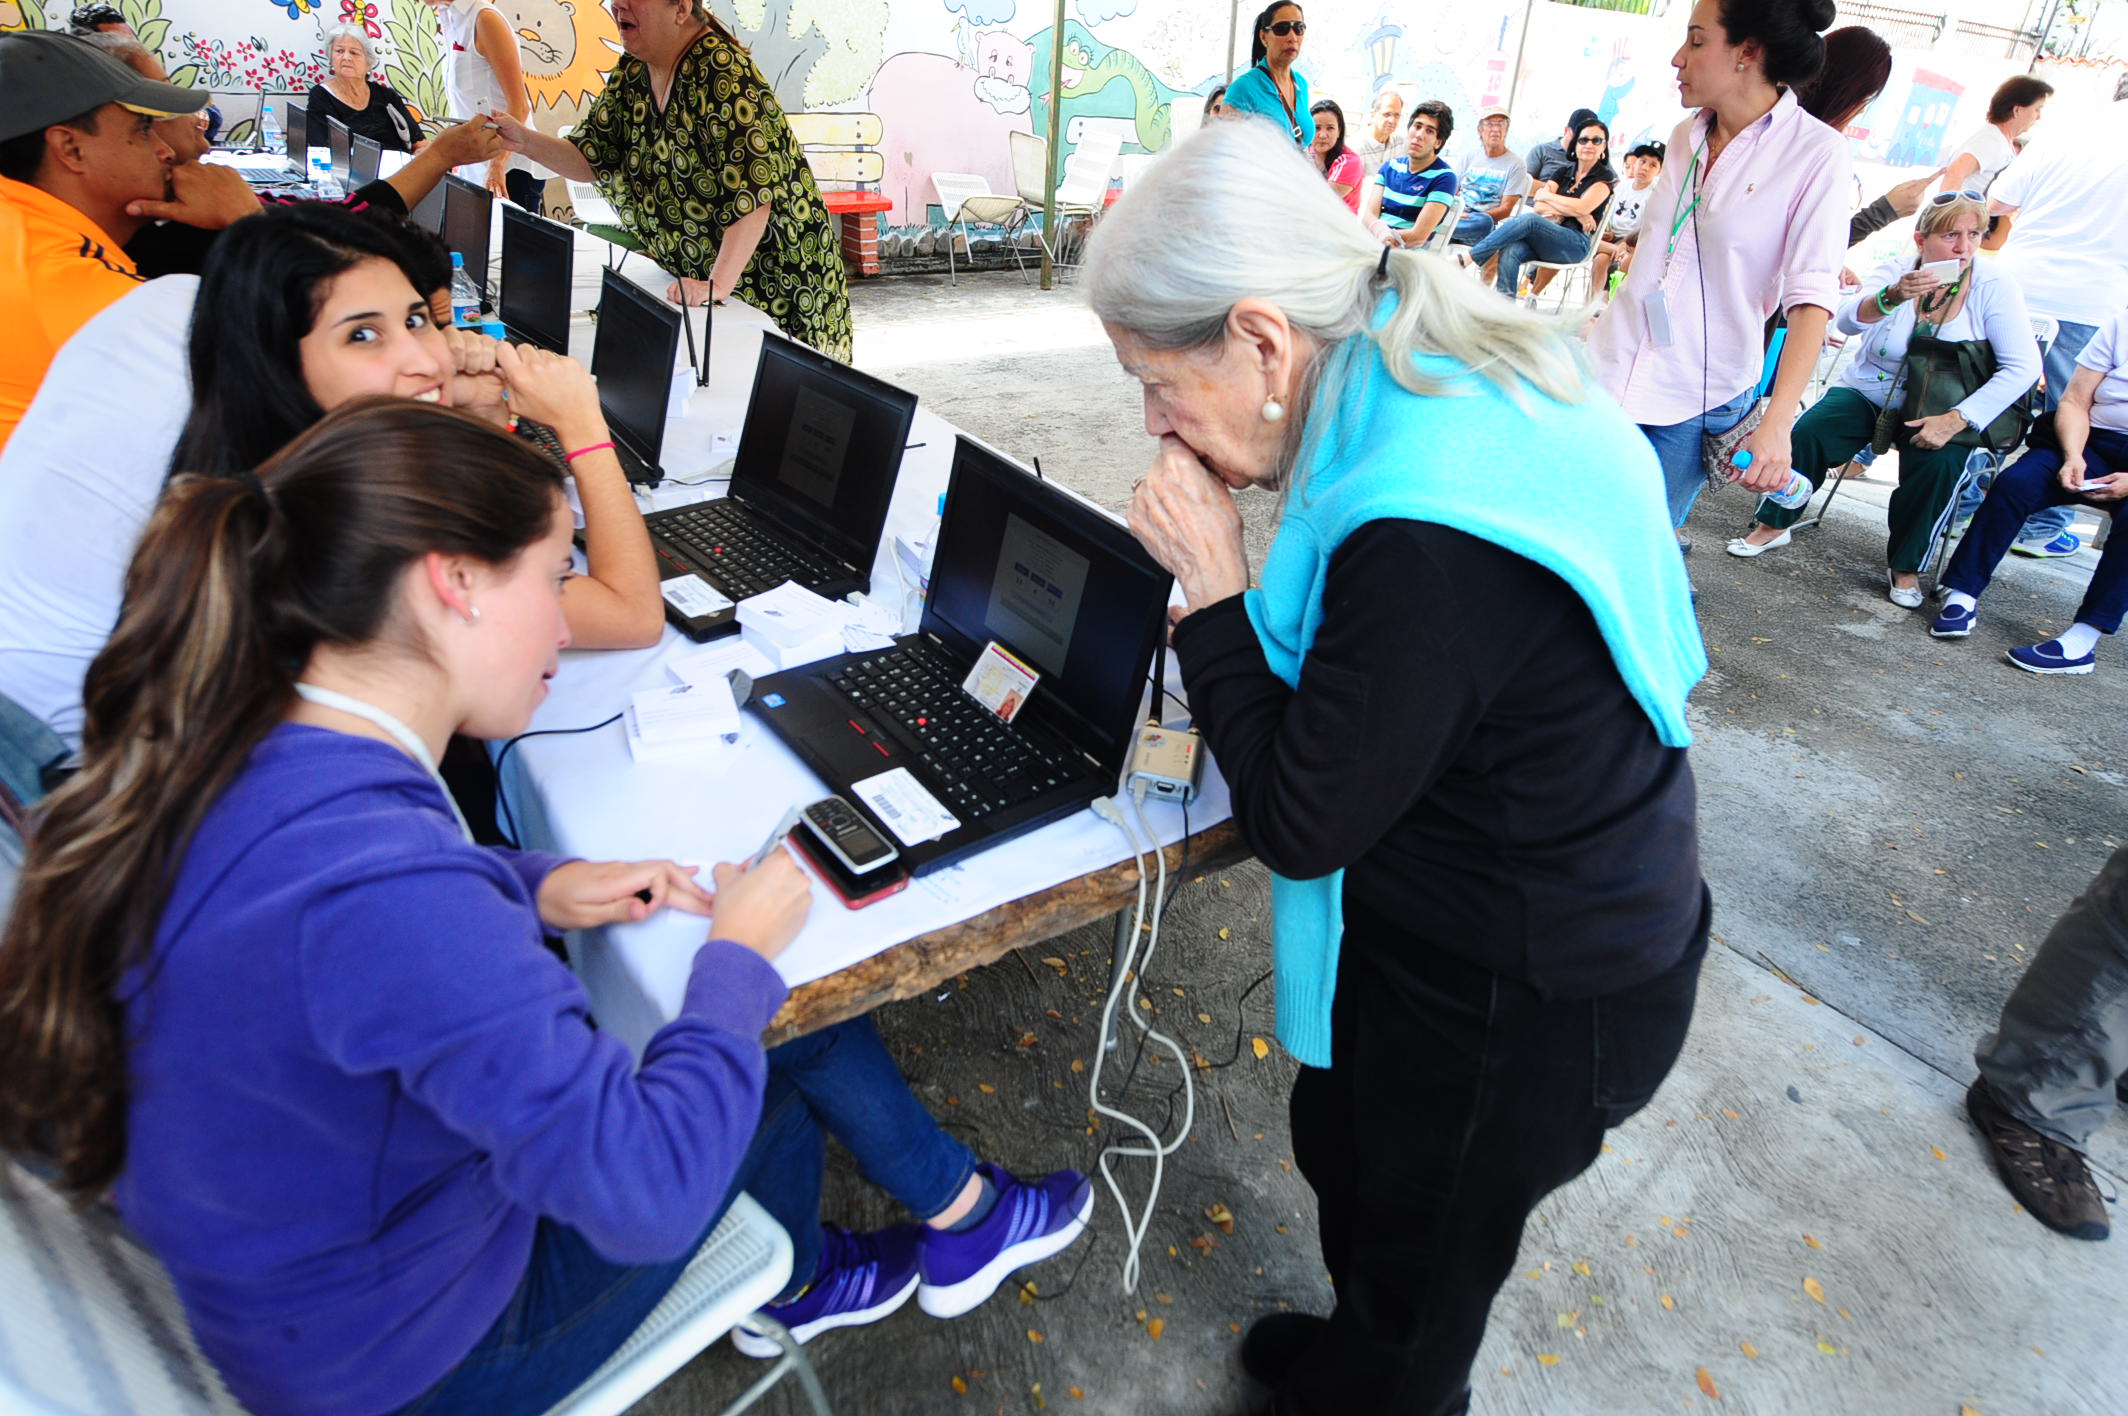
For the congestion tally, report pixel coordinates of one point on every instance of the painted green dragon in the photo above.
(1103, 82)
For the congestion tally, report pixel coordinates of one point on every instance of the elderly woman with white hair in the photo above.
(1451, 713)
(368, 106)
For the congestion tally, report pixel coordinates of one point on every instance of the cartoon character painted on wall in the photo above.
(1924, 120)
(1618, 81)
(1100, 81)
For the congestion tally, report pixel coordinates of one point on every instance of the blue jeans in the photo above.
(573, 1308)
(1473, 228)
(1677, 447)
(2030, 484)
(1527, 236)
(2061, 367)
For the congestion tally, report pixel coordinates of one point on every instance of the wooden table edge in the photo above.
(922, 963)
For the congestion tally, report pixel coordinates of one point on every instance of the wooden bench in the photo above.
(842, 150)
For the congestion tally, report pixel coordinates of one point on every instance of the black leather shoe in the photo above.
(2048, 1178)
(1274, 1340)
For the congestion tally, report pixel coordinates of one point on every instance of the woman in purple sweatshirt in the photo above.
(261, 986)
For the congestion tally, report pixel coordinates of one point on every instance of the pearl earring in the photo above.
(1274, 411)
(471, 615)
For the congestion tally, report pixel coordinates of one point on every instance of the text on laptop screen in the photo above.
(822, 444)
(632, 356)
(466, 213)
(1054, 581)
(536, 260)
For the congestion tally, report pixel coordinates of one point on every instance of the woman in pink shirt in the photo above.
(1749, 217)
(1339, 163)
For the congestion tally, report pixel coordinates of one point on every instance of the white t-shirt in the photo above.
(2108, 353)
(470, 83)
(2066, 247)
(1485, 182)
(1994, 152)
(77, 482)
(1626, 211)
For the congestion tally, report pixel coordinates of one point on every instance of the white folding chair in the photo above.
(965, 197)
(1030, 178)
(91, 1327)
(1564, 271)
(1446, 231)
(1083, 190)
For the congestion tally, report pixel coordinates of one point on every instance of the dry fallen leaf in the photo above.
(1220, 1215)
(1706, 1384)
(1261, 1048)
(1827, 1348)
(985, 1088)
(1963, 1409)
(1033, 1336)
(1058, 964)
(1730, 1114)
(1224, 932)
(1937, 1151)
(1027, 1294)
(1078, 1064)
(1549, 1359)
(1582, 1268)
(1669, 1303)
(960, 1388)
(1812, 1242)
(1075, 1394)
(1567, 1320)
(1748, 1350)
(1815, 1289)
(1154, 1328)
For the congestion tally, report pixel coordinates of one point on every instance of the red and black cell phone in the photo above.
(854, 890)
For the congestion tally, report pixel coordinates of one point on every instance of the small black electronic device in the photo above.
(860, 848)
(633, 352)
(365, 159)
(855, 891)
(467, 211)
(538, 258)
(811, 482)
(340, 142)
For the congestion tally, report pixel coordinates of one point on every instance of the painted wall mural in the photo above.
(952, 79)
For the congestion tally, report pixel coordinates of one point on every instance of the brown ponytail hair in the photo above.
(235, 582)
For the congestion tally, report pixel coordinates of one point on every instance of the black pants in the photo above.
(1456, 1099)
(524, 189)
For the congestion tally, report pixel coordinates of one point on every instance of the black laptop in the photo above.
(296, 114)
(538, 263)
(810, 486)
(365, 159)
(467, 210)
(1052, 579)
(340, 143)
(427, 214)
(633, 352)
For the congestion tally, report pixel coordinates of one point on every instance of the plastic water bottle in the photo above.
(1793, 493)
(495, 329)
(270, 139)
(465, 295)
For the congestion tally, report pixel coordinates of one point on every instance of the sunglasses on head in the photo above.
(1944, 198)
(1286, 27)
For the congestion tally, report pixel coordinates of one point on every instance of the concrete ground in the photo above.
(1802, 1222)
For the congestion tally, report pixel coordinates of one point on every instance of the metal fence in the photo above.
(1901, 28)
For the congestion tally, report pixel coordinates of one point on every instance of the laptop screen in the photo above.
(365, 156)
(340, 143)
(632, 357)
(427, 214)
(297, 113)
(821, 448)
(538, 258)
(465, 224)
(1059, 584)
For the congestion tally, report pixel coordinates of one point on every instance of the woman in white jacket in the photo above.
(483, 74)
(1978, 303)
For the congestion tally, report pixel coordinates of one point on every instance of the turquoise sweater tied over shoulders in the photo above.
(1574, 487)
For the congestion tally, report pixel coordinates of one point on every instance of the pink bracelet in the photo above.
(572, 456)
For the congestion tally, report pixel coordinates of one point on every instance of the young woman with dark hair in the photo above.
(262, 988)
(1271, 87)
(1560, 224)
(1749, 217)
(1339, 163)
(1858, 64)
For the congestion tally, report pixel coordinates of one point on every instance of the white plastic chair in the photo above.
(965, 197)
(1565, 270)
(1083, 190)
(91, 1327)
(1445, 232)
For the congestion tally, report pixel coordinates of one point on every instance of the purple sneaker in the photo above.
(861, 1279)
(1032, 1220)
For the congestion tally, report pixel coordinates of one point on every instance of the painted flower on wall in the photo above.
(296, 9)
(363, 13)
(250, 64)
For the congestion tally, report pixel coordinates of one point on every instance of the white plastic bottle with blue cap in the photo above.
(1792, 494)
(465, 296)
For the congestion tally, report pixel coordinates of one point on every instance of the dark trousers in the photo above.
(1838, 426)
(2033, 483)
(1456, 1100)
(524, 189)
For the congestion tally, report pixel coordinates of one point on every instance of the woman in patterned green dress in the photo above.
(690, 145)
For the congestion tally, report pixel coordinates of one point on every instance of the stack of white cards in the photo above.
(695, 721)
(791, 625)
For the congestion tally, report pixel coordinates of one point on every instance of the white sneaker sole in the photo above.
(2065, 669)
(754, 1344)
(950, 1300)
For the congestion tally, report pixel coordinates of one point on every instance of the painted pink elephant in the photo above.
(934, 121)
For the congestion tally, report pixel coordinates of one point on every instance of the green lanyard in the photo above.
(1683, 213)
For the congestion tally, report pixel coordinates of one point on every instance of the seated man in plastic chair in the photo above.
(2086, 462)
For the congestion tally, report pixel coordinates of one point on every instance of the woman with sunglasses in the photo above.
(1907, 298)
(1273, 89)
(1561, 221)
(1748, 218)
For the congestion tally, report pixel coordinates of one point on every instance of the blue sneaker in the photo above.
(2048, 658)
(1955, 621)
(1032, 1220)
(861, 1278)
(2068, 543)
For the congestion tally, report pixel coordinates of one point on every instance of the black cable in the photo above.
(508, 824)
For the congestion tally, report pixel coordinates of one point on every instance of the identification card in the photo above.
(693, 596)
(1655, 307)
(1000, 681)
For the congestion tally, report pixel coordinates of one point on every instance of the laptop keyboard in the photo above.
(542, 437)
(746, 561)
(983, 765)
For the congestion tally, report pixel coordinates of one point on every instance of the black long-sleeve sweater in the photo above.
(1462, 745)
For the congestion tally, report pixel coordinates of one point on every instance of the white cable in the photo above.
(1131, 969)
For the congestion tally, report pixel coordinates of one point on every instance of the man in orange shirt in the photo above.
(79, 156)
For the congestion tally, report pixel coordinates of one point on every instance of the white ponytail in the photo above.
(1235, 211)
